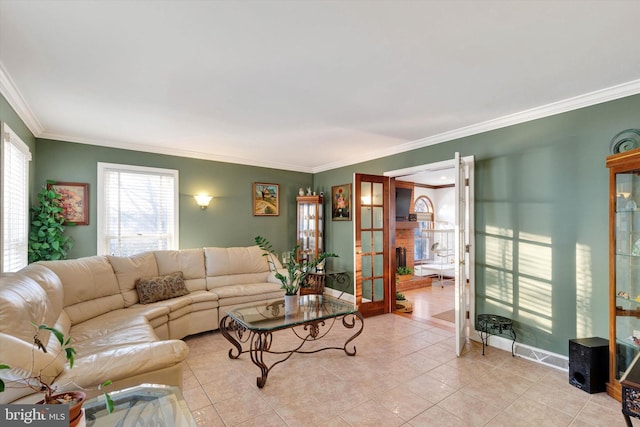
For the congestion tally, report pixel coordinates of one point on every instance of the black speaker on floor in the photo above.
(589, 364)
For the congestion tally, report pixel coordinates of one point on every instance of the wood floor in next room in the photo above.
(430, 301)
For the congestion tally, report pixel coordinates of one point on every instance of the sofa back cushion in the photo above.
(90, 287)
(234, 266)
(189, 261)
(131, 268)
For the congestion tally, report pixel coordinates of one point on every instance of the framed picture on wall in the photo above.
(74, 201)
(341, 202)
(266, 199)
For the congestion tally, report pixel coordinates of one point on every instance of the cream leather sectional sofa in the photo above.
(95, 301)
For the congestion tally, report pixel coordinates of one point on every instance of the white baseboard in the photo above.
(340, 295)
(534, 354)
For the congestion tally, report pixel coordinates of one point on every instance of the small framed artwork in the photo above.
(341, 202)
(74, 201)
(266, 199)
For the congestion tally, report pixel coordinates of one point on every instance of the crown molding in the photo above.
(169, 151)
(581, 101)
(11, 93)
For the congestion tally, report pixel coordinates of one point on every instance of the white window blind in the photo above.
(14, 200)
(137, 209)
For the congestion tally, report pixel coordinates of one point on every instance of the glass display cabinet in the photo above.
(310, 228)
(624, 265)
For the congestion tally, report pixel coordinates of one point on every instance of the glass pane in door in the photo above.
(378, 241)
(377, 217)
(367, 290)
(377, 193)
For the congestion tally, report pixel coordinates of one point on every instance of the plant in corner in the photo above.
(46, 237)
(296, 271)
(36, 380)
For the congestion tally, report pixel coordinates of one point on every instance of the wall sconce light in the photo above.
(203, 200)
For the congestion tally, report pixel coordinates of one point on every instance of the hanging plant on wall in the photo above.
(46, 236)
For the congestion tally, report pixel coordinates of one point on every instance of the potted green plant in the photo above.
(404, 273)
(46, 236)
(402, 303)
(296, 271)
(35, 380)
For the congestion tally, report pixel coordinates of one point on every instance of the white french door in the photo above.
(464, 261)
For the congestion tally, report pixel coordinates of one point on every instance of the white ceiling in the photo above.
(306, 85)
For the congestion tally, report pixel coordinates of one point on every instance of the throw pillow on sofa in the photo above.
(159, 288)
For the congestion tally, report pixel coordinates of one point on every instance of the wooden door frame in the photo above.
(388, 270)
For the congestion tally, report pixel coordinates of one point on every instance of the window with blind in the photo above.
(14, 200)
(137, 209)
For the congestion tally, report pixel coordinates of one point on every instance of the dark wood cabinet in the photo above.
(310, 227)
(624, 265)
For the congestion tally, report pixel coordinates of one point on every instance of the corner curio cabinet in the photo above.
(624, 264)
(310, 227)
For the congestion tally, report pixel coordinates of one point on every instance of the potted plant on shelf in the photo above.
(404, 273)
(36, 380)
(296, 271)
(46, 236)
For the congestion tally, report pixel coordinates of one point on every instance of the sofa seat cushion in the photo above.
(112, 330)
(123, 362)
(234, 291)
(216, 282)
(160, 288)
(179, 306)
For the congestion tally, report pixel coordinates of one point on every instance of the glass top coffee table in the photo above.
(253, 326)
(143, 405)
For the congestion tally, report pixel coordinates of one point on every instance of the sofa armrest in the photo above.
(22, 358)
(271, 278)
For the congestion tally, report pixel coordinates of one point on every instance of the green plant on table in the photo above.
(296, 271)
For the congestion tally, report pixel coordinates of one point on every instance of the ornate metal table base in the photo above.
(260, 340)
(491, 324)
(630, 387)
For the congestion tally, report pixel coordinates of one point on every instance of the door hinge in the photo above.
(466, 182)
(467, 248)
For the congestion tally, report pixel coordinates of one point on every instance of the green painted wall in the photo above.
(228, 221)
(541, 218)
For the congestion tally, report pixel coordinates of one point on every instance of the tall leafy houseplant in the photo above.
(46, 237)
(296, 271)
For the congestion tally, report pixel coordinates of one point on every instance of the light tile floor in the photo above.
(405, 373)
